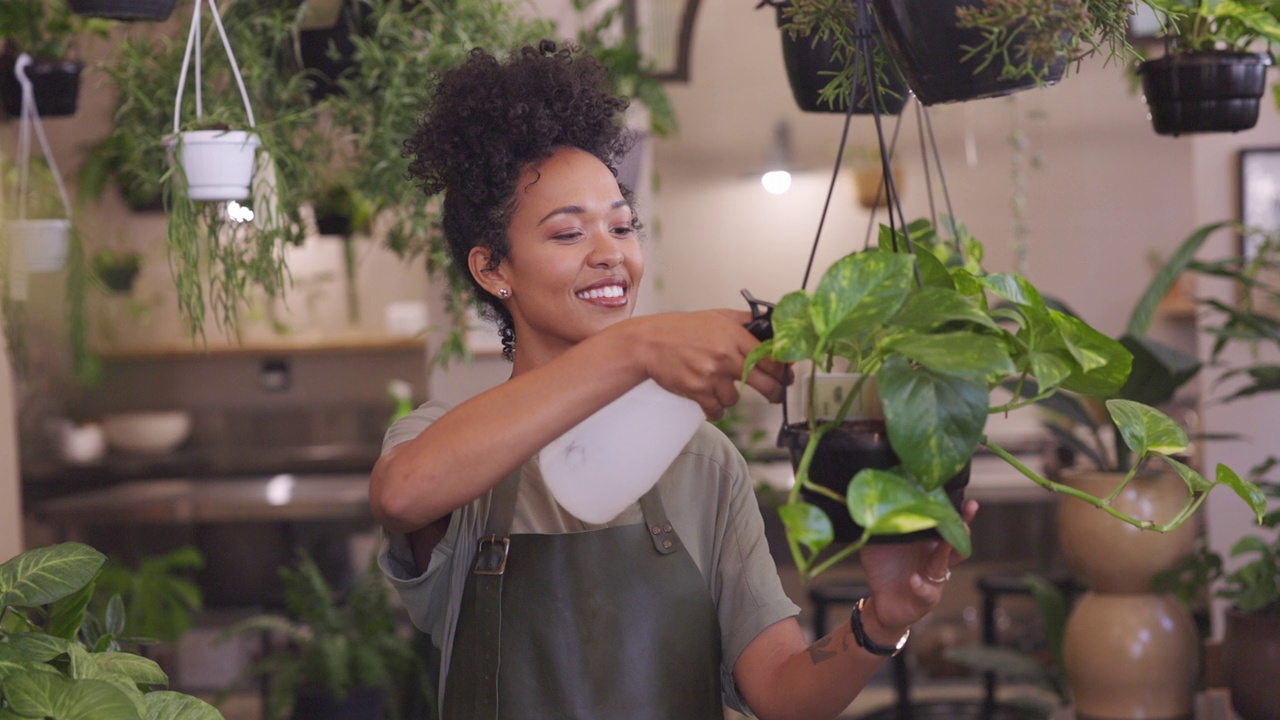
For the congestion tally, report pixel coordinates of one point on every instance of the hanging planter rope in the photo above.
(218, 163)
(36, 244)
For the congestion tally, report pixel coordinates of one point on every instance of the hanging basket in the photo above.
(127, 10)
(325, 67)
(218, 164)
(44, 242)
(56, 84)
(1204, 92)
(930, 49)
(811, 65)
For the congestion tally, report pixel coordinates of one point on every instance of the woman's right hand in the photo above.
(700, 355)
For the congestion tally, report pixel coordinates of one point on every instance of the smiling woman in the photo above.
(672, 606)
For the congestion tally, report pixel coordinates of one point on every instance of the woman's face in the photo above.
(575, 262)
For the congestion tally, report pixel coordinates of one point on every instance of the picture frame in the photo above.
(1259, 195)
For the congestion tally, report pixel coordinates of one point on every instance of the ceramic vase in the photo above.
(1130, 654)
(1251, 648)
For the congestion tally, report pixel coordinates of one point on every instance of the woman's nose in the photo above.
(606, 254)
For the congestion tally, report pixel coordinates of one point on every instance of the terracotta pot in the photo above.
(1111, 556)
(1251, 648)
(868, 183)
(1131, 657)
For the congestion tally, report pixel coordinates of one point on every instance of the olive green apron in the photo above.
(612, 623)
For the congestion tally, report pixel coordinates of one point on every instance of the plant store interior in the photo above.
(202, 458)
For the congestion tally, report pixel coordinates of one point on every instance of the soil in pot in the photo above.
(1204, 92)
(56, 84)
(931, 49)
(855, 446)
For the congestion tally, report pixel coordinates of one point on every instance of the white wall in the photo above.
(10, 485)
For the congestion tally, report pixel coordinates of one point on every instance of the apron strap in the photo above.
(489, 568)
(663, 535)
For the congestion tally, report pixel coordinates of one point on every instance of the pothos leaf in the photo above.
(807, 524)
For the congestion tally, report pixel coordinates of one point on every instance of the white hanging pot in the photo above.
(45, 242)
(218, 163)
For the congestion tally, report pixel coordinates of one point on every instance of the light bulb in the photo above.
(776, 181)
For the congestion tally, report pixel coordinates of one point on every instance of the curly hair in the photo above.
(487, 122)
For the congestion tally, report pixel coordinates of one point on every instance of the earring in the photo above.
(504, 293)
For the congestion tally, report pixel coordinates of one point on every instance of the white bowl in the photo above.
(147, 432)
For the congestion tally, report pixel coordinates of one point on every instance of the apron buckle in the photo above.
(491, 555)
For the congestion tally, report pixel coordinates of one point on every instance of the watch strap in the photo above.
(865, 641)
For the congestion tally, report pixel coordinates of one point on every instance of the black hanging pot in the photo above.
(324, 67)
(56, 84)
(127, 10)
(333, 224)
(811, 65)
(1205, 91)
(841, 454)
(361, 703)
(930, 50)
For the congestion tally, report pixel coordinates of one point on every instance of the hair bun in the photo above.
(547, 47)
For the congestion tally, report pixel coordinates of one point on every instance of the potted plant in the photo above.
(921, 317)
(226, 235)
(968, 49)
(45, 30)
(341, 657)
(814, 57)
(61, 662)
(37, 216)
(1208, 80)
(342, 210)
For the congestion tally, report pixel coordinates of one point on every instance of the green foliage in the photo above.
(630, 72)
(1254, 586)
(159, 595)
(1024, 38)
(45, 29)
(59, 662)
(1205, 25)
(938, 334)
(334, 644)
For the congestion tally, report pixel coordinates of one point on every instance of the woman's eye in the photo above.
(623, 230)
(567, 236)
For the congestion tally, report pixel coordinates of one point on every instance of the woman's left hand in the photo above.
(907, 579)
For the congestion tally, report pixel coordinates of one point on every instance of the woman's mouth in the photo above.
(609, 295)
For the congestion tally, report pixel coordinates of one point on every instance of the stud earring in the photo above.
(504, 293)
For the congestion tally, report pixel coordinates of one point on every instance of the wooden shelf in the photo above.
(277, 346)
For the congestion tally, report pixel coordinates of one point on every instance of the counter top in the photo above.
(279, 498)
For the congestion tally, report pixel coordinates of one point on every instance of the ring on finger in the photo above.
(939, 581)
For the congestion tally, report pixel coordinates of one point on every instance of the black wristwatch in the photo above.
(871, 646)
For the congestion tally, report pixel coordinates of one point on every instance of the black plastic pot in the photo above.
(333, 224)
(1204, 92)
(313, 47)
(56, 84)
(841, 454)
(362, 703)
(930, 50)
(127, 10)
(811, 65)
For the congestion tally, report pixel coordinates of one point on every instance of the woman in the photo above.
(675, 605)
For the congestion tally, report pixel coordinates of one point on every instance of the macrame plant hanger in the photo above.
(28, 124)
(866, 44)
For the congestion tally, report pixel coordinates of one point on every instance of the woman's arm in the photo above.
(781, 677)
(472, 447)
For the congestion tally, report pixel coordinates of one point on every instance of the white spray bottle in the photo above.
(605, 463)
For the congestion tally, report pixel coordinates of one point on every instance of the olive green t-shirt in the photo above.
(709, 500)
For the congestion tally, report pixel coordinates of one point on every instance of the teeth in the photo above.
(609, 291)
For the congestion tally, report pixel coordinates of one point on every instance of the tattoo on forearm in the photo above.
(818, 653)
(844, 641)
